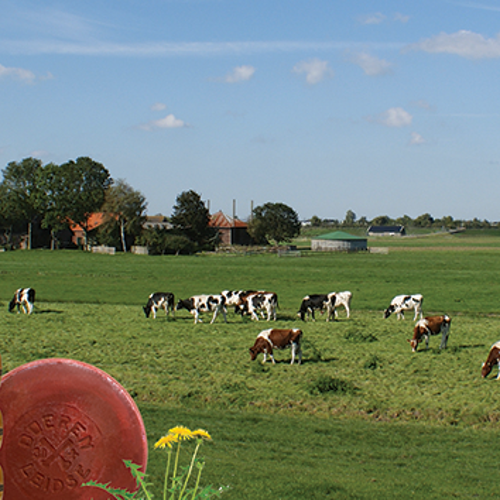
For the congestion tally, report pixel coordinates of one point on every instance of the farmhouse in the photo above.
(386, 231)
(156, 222)
(338, 241)
(232, 231)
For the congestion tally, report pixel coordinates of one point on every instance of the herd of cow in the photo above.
(253, 303)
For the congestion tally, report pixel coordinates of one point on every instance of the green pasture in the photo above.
(362, 417)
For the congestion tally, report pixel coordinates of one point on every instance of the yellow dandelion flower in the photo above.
(200, 433)
(166, 441)
(181, 432)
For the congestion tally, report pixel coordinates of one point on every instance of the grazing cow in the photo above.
(204, 303)
(159, 300)
(343, 299)
(25, 298)
(276, 338)
(311, 303)
(402, 303)
(493, 358)
(431, 325)
(233, 297)
(256, 302)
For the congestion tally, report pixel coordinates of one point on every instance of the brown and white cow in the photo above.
(204, 303)
(255, 302)
(431, 325)
(492, 360)
(276, 338)
(25, 298)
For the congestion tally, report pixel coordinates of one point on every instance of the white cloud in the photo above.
(158, 106)
(401, 17)
(23, 75)
(416, 139)
(371, 65)
(376, 18)
(170, 121)
(393, 117)
(240, 74)
(462, 43)
(315, 70)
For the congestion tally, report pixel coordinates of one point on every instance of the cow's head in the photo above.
(258, 347)
(388, 312)
(12, 304)
(486, 369)
(182, 304)
(414, 343)
(147, 311)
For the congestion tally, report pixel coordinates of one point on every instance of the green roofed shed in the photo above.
(338, 241)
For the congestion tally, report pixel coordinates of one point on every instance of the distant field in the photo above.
(363, 417)
(470, 239)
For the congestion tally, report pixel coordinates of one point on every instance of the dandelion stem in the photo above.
(165, 485)
(198, 444)
(174, 474)
(197, 482)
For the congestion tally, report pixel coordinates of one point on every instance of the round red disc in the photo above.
(66, 423)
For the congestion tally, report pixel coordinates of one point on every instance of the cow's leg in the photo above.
(416, 314)
(196, 315)
(254, 316)
(427, 341)
(216, 312)
(292, 348)
(444, 340)
(23, 305)
(153, 310)
(498, 377)
(224, 314)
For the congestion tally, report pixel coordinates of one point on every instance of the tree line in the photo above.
(422, 221)
(49, 199)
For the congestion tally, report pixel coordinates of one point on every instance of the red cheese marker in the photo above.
(66, 423)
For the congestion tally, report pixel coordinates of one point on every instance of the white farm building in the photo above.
(338, 241)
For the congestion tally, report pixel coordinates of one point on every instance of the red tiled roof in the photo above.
(219, 219)
(95, 220)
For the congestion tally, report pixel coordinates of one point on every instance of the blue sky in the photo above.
(379, 107)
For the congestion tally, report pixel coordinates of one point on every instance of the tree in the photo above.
(21, 192)
(315, 221)
(381, 220)
(424, 220)
(86, 182)
(54, 200)
(274, 221)
(191, 219)
(350, 218)
(125, 207)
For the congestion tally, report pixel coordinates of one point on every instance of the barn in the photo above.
(386, 231)
(338, 241)
(232, 231)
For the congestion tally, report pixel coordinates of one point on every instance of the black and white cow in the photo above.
(235, 297)
(317, 302)
(160, 300)
(25, 298)
(402, 303)
(343, 299)
(263, 302)
(204, 303)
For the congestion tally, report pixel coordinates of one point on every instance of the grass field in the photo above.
(363, 417)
